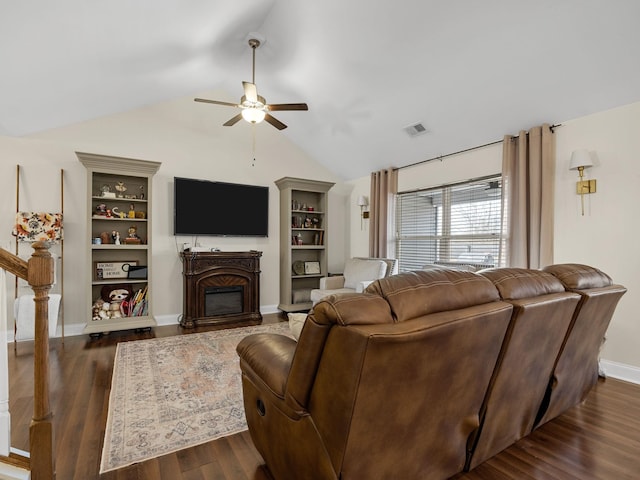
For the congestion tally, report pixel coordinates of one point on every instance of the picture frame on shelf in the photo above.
(112, 270)
(311, 268)
(137, 272)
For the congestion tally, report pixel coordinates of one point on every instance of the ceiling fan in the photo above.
(254, 107)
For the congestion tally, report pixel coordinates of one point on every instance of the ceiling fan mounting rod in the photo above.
(254, 43)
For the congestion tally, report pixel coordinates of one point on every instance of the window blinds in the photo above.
(451, 225)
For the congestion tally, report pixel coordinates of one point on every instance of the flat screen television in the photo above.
(203, 207)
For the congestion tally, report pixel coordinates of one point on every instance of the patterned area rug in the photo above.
(175, 392)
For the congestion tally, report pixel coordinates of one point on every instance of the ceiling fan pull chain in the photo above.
(253, 143)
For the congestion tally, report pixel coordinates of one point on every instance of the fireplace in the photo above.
(223, 300)
(221, 288)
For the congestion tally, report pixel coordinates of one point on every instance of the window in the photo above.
(451, 225)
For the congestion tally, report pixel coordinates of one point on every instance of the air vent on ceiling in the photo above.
(415, 129)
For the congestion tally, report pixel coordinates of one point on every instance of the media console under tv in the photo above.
(221, 288)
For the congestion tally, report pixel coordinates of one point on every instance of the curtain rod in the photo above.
(441, 157)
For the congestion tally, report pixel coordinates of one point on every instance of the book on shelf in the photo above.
(138, 305)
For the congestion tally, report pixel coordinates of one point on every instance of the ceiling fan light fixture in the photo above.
(253, 115)
(254, 107)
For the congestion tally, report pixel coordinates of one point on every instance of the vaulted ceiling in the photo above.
(469, 71)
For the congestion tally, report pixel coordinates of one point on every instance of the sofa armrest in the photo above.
(362, 285)
(268, 357)
(332, 283)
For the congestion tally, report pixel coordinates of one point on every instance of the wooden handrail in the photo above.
(38, 272)
(13, 264)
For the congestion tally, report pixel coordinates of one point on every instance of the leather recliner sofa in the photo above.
(403, 380)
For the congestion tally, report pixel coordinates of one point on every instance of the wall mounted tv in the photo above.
(203, 207)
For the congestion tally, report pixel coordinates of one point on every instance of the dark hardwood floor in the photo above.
(597, 440)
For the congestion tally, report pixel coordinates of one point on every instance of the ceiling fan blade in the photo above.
(233, 121)
(275, 122)
(287, 106)
(250, 91)
(217, 102)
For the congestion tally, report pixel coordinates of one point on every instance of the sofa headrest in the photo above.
(516, 283)
(351, 309)
(579, 277)
(414, 294)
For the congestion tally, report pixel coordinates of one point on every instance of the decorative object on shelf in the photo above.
(113, 302)
(311, 268)
(132, 211)
(137, 272)
(105, 191)
(132, 236)
(38, 226)
(115, 237)
(105, 238)
(581, 159)
(120, 188)
(109, 270)
(101, 210)
(298, 267)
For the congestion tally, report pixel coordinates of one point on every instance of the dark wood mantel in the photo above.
(208, 271)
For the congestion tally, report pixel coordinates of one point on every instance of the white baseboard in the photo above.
(265, 309)
(621, 371)
(11, 472)
(75, 329)
(171, 319)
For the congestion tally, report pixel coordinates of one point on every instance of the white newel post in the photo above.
(5, 416)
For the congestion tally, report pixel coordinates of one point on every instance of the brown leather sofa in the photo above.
(576, 368)
(542, 312)
(406, 380)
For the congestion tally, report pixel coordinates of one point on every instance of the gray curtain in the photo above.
(384, 186)
(528, 169)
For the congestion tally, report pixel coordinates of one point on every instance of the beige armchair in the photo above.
(358, 273)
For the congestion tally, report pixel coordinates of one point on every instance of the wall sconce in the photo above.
(362, 203)
(581, 159)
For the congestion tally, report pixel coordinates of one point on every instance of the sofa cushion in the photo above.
(423, 292)
(579, 277)
(358, 270)
(317, 294)
(516, 283)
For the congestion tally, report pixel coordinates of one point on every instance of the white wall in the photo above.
(605, 237)
(357, 227)
(190, 142)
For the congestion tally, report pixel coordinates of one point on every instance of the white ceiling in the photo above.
(470, 71)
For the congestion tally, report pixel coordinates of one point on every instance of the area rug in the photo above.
(175, 392)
